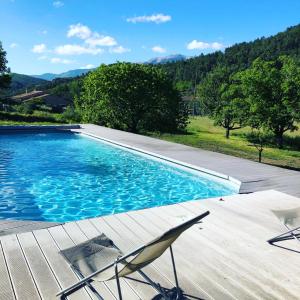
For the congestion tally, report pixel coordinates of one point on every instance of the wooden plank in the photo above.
(254, 252)
(143, 291)
(183, 264)
(21, 277)
(59, 266)
(218, 266)
(247, 254)
(6, 290)
(255, 228)
(123, 241)
(42, 274)
(64, 241)
(134, 235)
(14, 227)
(128, 240)
(78, 236)
(232, 243)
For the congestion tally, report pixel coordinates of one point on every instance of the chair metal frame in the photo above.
(86, 281)
(286, 235)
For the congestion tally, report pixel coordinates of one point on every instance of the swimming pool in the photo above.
(66, 176)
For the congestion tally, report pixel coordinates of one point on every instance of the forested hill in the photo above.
(21, 82)
(238, 56)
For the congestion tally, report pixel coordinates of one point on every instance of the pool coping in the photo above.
(235, 182)
(74, 127)
(11, 128)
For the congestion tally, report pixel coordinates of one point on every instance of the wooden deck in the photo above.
(225, 257)
(11, 226)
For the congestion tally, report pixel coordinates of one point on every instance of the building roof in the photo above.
(29, 95)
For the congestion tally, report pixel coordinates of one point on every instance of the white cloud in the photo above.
(92, 42)
(158, 18)
(58, 4)
(88, 66)
(57, 60)
(13, 45)
(158, 49)
(101, 40)
(76, 50)
(43, 57)
(40, 48)
(119, 49)
(204, 45)
(93, 39)
(217, 46)
(80, 31)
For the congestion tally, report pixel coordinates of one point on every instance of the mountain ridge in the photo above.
(166, 59)
(79, 72)
(194, 69)
(67, 74)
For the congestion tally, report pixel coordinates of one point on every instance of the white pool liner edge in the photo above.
(234, 183)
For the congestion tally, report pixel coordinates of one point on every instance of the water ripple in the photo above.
(62, 177)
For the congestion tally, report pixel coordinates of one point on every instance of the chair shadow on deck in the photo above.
(172, 293)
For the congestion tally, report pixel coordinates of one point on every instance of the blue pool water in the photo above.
(64, 176)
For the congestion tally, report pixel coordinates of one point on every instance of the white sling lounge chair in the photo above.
(290, 218)
(99, 259)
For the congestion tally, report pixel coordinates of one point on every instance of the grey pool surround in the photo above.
(218, 177)
(253, 176)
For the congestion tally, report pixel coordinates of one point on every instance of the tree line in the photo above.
(237, 57)
(265, 96)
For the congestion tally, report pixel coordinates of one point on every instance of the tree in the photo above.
(4, 71)
(258, 139)
(221, 99)
(272, 89)
(131, 97)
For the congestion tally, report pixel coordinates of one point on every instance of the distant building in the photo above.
(27, 96)
(49, 100)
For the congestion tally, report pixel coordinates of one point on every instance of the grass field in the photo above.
(37, 118)
(203, 134)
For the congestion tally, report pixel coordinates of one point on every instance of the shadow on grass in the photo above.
(175, 133)
(289, 142)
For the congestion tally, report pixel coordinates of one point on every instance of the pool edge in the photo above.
(231, 179)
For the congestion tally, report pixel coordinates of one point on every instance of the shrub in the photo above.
(131, 97)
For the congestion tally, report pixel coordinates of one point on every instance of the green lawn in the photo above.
(37, 118)
(203, 134)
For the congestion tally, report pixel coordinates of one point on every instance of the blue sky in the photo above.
(54, 36)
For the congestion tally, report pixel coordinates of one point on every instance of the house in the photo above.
(49, 99)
